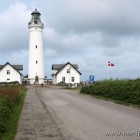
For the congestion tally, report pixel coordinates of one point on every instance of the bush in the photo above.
(62, 83)
(10, 83)
(125, 90)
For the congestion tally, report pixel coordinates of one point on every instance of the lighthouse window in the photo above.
(36, 62)
(36, 46)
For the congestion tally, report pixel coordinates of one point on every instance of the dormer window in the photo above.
(36, 62)
(36, 46)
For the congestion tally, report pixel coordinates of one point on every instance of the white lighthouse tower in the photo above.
(36, 57)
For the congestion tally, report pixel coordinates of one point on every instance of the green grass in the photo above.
(78, 88)
(12, 122)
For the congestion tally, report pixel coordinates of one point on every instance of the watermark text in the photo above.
(136, 133)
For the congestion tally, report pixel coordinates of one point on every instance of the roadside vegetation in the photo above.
(125, 91)
(11, 101)
(9, 83)
(71, 88)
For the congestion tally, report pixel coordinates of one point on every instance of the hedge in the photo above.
(125, 90)
(10, 83)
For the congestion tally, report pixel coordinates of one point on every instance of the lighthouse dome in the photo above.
(35, 12)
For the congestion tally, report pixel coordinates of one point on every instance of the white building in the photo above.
(36, 58)
(10, 73)
(67, 73)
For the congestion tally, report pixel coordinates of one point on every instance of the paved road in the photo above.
(81, 117)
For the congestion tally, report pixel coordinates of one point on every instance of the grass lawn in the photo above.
(12, 122)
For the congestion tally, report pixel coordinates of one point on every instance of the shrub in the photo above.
(125, 90)
(10, 83)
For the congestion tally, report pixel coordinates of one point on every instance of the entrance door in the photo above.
(36, 80)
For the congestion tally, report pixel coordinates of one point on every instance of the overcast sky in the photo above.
(88, 33)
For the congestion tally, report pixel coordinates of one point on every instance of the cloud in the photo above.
(86, 32)
(111, 17)
(14, 31)
(90, 33)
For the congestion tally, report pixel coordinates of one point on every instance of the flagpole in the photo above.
(107, 71)
(108, 65)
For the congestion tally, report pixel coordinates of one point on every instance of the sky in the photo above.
(88, 33)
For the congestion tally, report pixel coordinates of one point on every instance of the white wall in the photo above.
(54, 78)
(13, 76)
(36, 54)
(73, 73)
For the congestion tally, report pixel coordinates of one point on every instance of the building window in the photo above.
(8, 71)
(8, 79)
(36, 46)
(68, 70)
(36, 62)
(63, 79)
(72, 79)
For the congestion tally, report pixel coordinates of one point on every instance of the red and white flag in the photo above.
(110, 64)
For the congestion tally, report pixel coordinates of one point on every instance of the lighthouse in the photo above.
(36, 57)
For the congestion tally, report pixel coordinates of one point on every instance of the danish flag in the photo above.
(110, 64)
